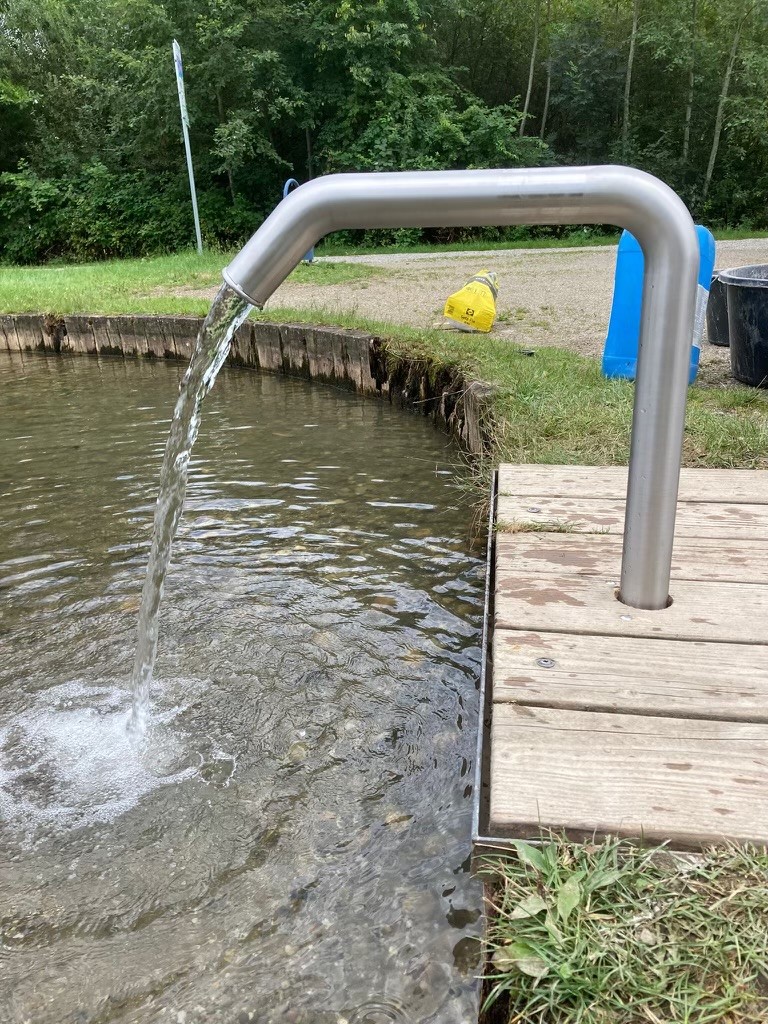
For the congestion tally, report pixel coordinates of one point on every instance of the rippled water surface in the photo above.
(291, 842)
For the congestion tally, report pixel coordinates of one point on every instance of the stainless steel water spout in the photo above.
(561, 195)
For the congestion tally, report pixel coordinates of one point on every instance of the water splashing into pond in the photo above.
(226, 314)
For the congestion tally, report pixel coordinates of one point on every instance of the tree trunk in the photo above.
(628, 80)
(545, 112)
(721, 103)
(477, 47)
(222, 117)
(310, 173)
(535, 47)
(691, 83)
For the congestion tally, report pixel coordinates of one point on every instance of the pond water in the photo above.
(291, 842)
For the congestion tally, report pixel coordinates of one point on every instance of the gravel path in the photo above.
(556, 297)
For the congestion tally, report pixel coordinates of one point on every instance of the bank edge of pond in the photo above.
(355, 360)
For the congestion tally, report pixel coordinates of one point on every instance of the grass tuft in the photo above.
(547, 526)
(609, 933)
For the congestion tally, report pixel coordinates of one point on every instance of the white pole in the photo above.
(185, 128)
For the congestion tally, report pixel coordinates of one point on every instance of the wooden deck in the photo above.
(607, 719)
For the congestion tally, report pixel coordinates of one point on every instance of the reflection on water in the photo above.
(291, 843)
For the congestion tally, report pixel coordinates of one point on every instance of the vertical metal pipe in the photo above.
(564, 195)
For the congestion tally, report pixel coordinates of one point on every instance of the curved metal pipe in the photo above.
(561, 195)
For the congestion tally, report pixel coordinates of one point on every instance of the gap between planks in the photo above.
(726, 519)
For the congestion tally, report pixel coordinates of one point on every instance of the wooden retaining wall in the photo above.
(352, 359)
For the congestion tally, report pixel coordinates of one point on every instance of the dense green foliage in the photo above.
(91, 159)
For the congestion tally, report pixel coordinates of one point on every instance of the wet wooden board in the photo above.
(727, 612)
(694, 558)
(691, 782)
(728, 520)
(608, 719)
(748, 486)
(636, 676)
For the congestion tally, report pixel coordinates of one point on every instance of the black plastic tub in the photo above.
(747, 289)
(717, 313)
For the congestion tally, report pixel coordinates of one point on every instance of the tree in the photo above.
(548, 89)
(628, 79)
(532, 66)
(691, 84)
(91, 155)
(741, 21)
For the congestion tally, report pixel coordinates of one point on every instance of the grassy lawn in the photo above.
(607, 933)
(137, 286)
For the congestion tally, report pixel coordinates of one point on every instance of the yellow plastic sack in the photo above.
(473, 307)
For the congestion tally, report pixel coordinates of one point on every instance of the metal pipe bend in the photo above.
(617, 195)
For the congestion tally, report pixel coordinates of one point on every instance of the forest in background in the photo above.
(91, 155)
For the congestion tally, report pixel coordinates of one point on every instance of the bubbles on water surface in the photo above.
(68, 760)
(378, 1013)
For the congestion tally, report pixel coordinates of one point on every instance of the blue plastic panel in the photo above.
(621, 343)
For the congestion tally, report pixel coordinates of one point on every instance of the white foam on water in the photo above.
(68, 760)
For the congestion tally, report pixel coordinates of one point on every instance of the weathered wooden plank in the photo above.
(80, 333)
(358, 351)
(173, 337)
(241, 349)
(322, 354)
(266, 340)
(588, 515)
(588, 554)
(29, 331)
(128, 334)
(8, 336)
(690, 781)
(295, 341)
(726, 612)
(748, 486)
(631, 675)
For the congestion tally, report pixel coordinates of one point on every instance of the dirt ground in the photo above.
(556, 297)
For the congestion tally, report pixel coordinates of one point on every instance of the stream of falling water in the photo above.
(226, 314)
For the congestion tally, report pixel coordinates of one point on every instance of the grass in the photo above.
(158, 284)
(609, 933)
(575, 239)
(553, 406)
